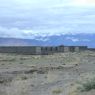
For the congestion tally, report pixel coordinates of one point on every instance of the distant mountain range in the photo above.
(78, 39)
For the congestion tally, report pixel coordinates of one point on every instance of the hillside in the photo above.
(53, 40)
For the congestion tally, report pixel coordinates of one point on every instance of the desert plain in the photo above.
(56, 74)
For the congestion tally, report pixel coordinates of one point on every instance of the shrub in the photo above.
(57, 91)
(87, 85)
(24, 78)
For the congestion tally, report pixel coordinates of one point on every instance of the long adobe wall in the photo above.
(39, 50)
(57, 49)
(18, 49)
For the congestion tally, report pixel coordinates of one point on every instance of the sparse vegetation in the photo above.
(2, 64)
(57, 91)
(87, 85)
(5, 80)
(21, 63)
(24, 78)
(9, 59)
(47, 75)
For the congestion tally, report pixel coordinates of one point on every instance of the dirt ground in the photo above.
(57, 74)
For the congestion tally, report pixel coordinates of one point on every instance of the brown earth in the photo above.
(56, 74)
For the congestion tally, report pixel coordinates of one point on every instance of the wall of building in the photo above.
(83, 48)
(72, 48)
(38, 50)
(48, 50)
(35, 50)
(60, 49)
(18, 50)
(77, 49)
(66, 49)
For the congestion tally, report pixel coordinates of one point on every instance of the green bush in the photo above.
(87, 85)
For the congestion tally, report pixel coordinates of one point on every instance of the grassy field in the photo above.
(57, 74)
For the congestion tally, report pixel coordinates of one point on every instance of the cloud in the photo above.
(74, 39)
(33, 18)
(82, 2)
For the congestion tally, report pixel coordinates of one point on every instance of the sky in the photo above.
(31, 18)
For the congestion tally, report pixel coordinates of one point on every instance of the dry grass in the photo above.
(47, 71)
(18, 87)
(57, 91)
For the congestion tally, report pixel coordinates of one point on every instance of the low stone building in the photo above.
(71, 48)
(20, 49)
(41, 50)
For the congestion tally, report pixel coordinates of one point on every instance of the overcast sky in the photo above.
(28, 18)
